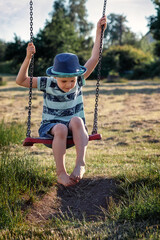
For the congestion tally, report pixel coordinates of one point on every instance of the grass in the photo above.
(127, 155)
(3, 83)
(11, 133)
(22, 177)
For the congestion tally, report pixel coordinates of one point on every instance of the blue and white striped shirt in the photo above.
(60, 106)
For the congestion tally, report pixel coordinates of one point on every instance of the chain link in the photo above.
(31, 73)
(95, 124)
(95, 121)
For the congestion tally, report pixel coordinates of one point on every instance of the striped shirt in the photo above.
(60, 106)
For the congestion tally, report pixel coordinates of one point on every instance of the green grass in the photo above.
(12, 133)
(134, 214)
(22, 177)
(128, 154)
(3, 83)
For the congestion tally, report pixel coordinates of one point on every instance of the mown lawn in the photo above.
(119, 197)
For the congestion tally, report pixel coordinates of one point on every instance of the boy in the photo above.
(63, 104)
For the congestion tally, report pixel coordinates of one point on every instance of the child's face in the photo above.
(66, 84)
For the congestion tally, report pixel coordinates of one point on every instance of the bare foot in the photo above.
(65, 180)
(78, 173)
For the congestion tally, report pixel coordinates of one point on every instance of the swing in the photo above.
(30, 141)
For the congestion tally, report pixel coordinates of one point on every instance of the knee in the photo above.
(60, 130)
(76, 122)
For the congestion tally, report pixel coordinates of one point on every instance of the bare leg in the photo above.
(60, 132)
(80, 138)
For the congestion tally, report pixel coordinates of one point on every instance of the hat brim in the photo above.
(51, 72)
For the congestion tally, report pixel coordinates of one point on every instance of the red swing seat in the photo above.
(29, 141)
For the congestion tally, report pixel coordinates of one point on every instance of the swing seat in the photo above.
(29, 141)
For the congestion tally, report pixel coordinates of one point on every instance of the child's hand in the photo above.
(30, 50)
(101, 22)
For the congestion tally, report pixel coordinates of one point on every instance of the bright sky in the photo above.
(14, 15)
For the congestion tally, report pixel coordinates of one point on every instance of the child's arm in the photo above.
(92, 62)
(22, 78)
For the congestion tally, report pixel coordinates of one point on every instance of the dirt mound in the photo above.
(88, 198)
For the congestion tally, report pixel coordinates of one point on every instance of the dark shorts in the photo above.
(44, 131)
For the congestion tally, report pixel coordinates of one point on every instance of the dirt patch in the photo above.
(88, 198)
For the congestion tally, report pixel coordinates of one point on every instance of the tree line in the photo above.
(68, 30)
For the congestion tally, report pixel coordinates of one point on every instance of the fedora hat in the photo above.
(66, 65)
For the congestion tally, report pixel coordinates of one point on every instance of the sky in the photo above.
(14, 15)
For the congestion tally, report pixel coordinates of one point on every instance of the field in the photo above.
(119, 196)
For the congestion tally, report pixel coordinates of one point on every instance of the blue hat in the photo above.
(66, 65)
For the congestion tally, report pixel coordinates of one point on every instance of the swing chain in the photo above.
(95, 122)
(31, 73)
(32, 69)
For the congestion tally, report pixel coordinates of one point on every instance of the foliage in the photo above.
(122, 59)
(78, 15)
(66, 32)
(147, 43)
(2, 50)
(57, 36)
(146, 71)
(117, 33)
(154, 24)
(130, 38)
(13, 50)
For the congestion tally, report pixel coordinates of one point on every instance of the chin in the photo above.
(67, 90)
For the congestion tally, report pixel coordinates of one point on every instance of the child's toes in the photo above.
(74, 178)
(78, 173)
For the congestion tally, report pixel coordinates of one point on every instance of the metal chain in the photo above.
(95, 121)
(32, 69)
(31, 73)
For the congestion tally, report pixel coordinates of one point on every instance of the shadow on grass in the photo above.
(116, 89)
(14, 89)
(123, 91)
(132, 84)
(88, 198)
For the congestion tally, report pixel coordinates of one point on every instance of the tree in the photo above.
(78, 15)
(122, 59)
(116, 29)
(154, 24)
(58, 35)
(117, 33)
(2, 50)
(66, 31)
(15, 50)
(61, 35)
(131, 38)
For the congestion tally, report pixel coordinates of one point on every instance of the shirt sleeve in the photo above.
(43, 83)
